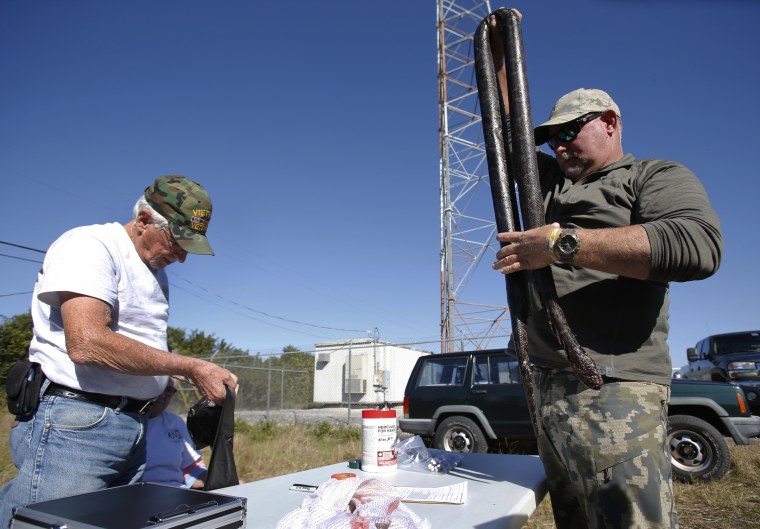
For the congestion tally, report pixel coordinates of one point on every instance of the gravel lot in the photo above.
(335, 416)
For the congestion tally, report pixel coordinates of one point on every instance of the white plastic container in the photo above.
(378, 439)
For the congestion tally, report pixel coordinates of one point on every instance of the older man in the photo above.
(618, 230)
(100, 310)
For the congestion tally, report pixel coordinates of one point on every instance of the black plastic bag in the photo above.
(214, 426)
(203, 422)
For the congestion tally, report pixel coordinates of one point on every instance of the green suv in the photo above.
(473, 401)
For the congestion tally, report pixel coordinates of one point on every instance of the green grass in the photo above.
(7, 470)
(266, 449)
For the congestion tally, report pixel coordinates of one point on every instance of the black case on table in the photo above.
(142, 505)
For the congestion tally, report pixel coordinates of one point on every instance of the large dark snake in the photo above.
(515, 163)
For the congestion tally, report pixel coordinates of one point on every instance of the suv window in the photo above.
(437, 371)
(496, 370)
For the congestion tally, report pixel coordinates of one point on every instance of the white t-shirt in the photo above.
(172, 458)
(99, 261)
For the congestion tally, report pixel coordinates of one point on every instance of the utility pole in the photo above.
(468, 229)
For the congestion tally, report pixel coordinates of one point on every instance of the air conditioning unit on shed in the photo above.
(356, 385)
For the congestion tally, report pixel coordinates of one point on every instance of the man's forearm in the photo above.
(621, 251)
(89, 340)
(116, 352)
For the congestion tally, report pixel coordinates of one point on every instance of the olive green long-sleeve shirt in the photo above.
(622, 322)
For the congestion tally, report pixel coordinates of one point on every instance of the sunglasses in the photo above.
(570, 130)
(174, 247)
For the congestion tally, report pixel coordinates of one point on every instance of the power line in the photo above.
(234, 310)
(15, 294)
(266, 313)
(23, 247)
(240, 305)
(19, 258)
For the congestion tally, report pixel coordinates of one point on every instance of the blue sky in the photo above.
(314, 127)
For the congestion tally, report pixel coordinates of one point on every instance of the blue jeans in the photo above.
(72, 447)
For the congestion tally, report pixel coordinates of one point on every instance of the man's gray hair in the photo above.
(158, 220)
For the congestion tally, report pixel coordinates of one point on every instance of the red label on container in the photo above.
(378, 414)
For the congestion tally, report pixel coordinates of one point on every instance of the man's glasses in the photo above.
(173, 246)
(570, 130)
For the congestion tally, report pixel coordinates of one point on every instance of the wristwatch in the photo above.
(564, 245)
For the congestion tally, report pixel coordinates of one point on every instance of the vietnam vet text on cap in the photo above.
(572, 106)
(187, 207)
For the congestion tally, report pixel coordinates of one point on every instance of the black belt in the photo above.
(109, 401)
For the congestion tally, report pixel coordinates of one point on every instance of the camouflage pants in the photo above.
(605, 452)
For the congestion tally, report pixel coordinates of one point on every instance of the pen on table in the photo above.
(303, 488)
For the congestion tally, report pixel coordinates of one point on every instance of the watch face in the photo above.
(567, 245)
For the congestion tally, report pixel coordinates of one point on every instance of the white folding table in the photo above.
(503, 491)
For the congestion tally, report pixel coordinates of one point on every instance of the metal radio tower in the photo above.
(467, 223)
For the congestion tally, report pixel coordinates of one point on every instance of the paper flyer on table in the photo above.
(456, 494)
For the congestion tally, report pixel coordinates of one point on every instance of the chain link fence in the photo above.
(332, 383)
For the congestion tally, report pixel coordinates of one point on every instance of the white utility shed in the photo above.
(364, 371)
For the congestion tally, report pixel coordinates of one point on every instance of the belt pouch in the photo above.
(23, 388)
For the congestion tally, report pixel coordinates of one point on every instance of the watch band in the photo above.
(553, 236)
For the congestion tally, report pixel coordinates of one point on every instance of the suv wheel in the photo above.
(698, 451)
(460, 434)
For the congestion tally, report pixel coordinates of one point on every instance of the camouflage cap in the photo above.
(187, 207)
(572, 106)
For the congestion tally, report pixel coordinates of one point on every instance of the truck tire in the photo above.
(460, 434)
(698, 451)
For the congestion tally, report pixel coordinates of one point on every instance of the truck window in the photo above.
(496, 370)
(504, 371)
(734, 343)
(480, 376)
(438, 371)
